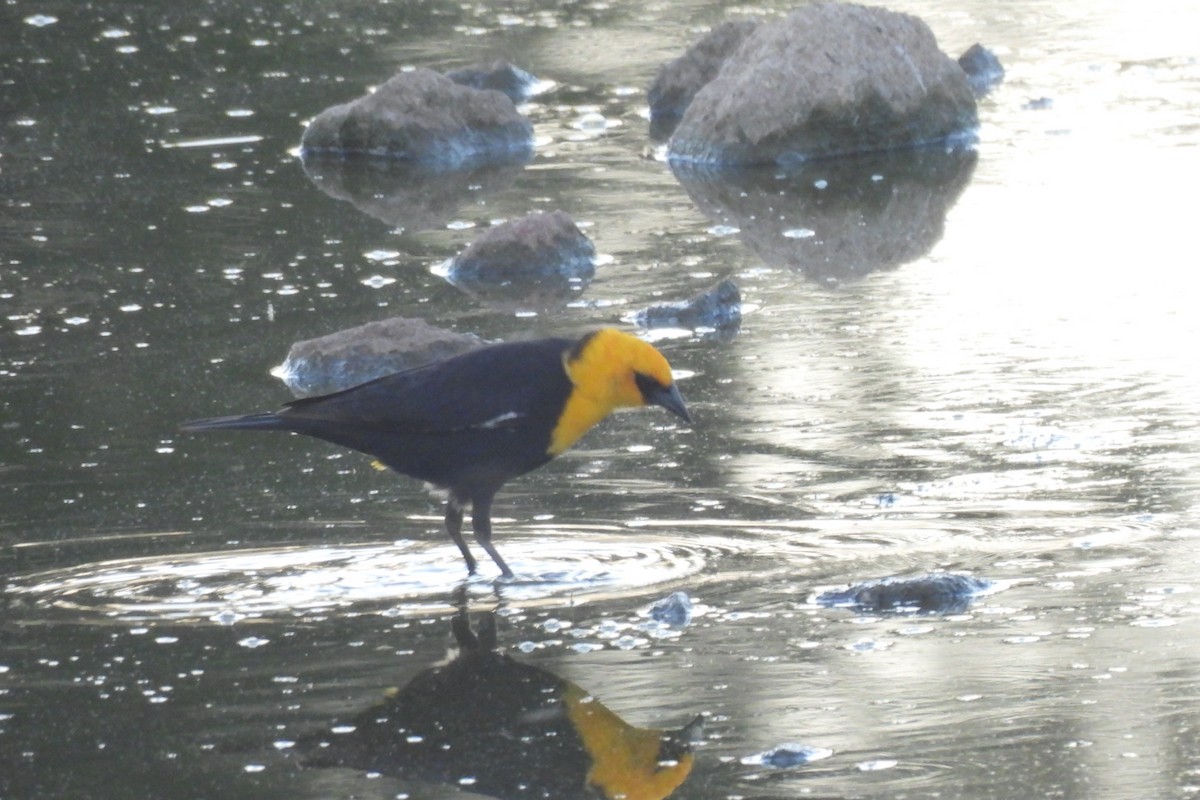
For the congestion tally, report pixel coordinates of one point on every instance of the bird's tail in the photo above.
(267, 421)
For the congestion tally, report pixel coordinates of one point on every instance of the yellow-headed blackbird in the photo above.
(502, 728)
(471, 422)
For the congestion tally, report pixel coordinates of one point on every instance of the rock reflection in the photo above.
(407, 196)
(839, 219)
(495, 726)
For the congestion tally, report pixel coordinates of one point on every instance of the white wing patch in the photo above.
(496, 422)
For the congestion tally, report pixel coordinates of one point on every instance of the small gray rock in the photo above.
(515, 83)
(983, 69)
(356, 355)
(534, 263)
(938, 593)
(718, 308)
(423, 117)
(829, 79)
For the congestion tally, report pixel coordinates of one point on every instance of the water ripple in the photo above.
(227, 587)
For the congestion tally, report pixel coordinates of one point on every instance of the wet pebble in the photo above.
(983, 69)
(675, 609)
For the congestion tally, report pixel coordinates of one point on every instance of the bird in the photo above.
(470, 423)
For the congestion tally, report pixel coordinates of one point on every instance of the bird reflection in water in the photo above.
(497, 727)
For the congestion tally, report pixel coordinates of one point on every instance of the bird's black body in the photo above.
(467, 424)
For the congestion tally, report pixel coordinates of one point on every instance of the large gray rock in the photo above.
(422, 116)
(678, 81)
(356, 355)
(536, 263)
(829, 79)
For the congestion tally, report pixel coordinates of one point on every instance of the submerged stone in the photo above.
(678, 81)
(356, 355)
(828, 79)
(938, 593)
(982, 67)
(788, 756)
(534, 263)
(423, 117)
(515, 83)
(717, 309)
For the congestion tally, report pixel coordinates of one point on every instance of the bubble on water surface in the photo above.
(253, 642)
(799, 233)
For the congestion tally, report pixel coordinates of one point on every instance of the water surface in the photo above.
(1000, 381)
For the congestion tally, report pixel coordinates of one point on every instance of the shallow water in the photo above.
(1000, 382)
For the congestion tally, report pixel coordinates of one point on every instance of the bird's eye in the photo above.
(647, 385)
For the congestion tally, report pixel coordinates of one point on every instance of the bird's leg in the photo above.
(454, 519)
(481, 521)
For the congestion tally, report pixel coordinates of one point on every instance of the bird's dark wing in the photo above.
(497, 386)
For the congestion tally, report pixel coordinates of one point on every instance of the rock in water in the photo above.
(829, 79)
(534, 263)
(983, 69)
(423, 117)
(357, 355)
(675, 610)
(939, 593)
(717, 309)
(501, 76)
(678, 81)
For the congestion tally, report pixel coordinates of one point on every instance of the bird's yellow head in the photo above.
(610, 369)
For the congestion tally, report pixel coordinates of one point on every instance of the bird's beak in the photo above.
(669, 398)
